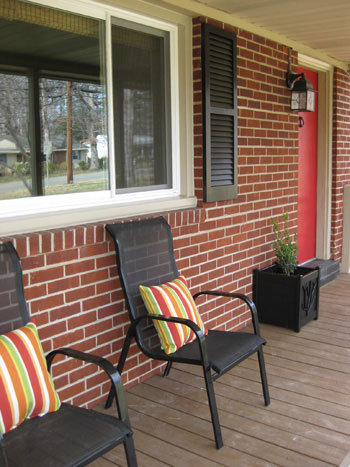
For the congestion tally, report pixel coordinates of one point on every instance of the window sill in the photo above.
(91, 211)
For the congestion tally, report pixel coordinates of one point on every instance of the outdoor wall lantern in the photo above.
(302, 96)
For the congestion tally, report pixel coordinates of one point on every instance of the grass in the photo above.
(76, 187)
(4, 178)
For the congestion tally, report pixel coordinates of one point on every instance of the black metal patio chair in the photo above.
(71, 436)
(145, 257)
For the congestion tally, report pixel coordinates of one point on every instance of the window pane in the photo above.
(56, 128)
(141, 106)
(15, 153)
(73, 136)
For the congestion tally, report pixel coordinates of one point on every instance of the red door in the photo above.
(307, 179)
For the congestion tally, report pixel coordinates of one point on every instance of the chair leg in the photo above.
(120, 367)
(167, 369)
(263, 376)
(213, 408)
(130, 451)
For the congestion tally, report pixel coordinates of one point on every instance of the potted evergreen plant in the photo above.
(285, 293)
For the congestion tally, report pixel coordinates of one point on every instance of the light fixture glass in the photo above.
(302, 95)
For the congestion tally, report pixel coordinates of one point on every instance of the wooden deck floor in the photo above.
(307, 423)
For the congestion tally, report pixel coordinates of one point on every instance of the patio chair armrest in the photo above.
(200, 337)
(173, 319)
(244, 298)
(109, 369)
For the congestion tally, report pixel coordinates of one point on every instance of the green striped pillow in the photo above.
(172, 299)
(26, 386)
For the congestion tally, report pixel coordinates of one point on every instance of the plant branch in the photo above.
(286, 250)
(19, 175)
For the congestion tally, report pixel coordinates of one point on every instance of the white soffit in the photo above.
(316, 28)
(320, 25)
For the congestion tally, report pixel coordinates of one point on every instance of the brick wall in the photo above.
(71, 282)
(267, 148)
(341, 156)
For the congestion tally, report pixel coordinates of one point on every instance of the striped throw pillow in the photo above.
(172, 299)
(26, 386)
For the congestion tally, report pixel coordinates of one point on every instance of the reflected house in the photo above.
(143, 146)
(59, 152)
(10, 152)
(142, 159)
(97, 146)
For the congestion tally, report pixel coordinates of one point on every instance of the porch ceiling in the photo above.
(317, 24)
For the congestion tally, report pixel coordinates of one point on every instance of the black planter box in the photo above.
(287, 301)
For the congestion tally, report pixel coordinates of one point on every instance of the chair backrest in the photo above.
(144, 257)
(13, 308)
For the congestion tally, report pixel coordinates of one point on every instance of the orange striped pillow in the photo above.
(172, 299)
(26, 386)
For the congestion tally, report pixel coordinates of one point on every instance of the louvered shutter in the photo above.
(220, 113)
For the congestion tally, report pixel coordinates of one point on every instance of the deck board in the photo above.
(307, 423)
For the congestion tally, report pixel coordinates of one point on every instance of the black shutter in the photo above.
(220, 113)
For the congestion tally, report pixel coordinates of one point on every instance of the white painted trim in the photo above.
(175, 114)
(315, 64)
(110, 111)
(77, 6)
(345, 262)
(324, 153)
(103, 212)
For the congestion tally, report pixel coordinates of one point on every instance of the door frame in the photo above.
(324, 153)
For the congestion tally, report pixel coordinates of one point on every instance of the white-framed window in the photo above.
(95, 113)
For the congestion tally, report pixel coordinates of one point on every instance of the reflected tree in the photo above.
(87, 116)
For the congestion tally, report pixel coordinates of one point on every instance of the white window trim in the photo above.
(59, 211)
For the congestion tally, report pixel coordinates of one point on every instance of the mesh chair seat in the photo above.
(225, 349)
(52, 441)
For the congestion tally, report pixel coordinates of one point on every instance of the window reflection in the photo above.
(53, 131)
(141, 107)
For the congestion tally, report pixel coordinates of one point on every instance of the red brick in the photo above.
(82, 373)
(94, 276)
(35, 291)
(58, 241)
(62, 256)
(79, 267)
(106, 286)
(68, 239)
(63, 284)
(69, 339)
(80, 293)
(33, 262)
(34, 245)
(82, 319)
(98, 327)
(96, 302)
(93, 250)
(20, 243)
(71, 391)
(52, 330)
(46, 275)
(65, 311)
(108, 336)
(46, 303)
(46, 242)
